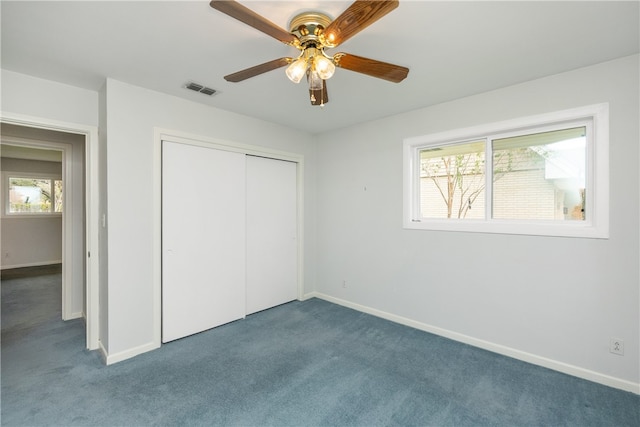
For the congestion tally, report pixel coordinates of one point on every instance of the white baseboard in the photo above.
(31, 264)
(110, 359)
(76, 315)
(103, 352)
(486, 345)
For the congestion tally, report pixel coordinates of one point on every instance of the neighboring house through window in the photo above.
(547, 175)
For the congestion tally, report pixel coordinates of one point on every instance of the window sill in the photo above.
(35, 215)
(574, 230)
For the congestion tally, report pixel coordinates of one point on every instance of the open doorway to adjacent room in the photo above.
(44, 212)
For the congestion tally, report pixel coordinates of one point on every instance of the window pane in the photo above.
(540, 176)
(452, 181)
(57, 190)
(29, 195)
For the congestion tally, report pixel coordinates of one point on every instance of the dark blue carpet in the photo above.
(308, 363)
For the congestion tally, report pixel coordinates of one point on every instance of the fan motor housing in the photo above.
(308, 26)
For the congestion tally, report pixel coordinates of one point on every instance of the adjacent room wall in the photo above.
(554, 301)
(132, 114)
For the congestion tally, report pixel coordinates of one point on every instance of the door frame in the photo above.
(160, 135)
(91, 193)
(68, 202)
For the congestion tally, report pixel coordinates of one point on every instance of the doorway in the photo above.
(79, 235)
(48, 233)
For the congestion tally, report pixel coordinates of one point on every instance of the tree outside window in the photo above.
(538, 176)
(29, 195)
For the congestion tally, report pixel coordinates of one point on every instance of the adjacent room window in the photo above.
(29, 195)
(543, 175)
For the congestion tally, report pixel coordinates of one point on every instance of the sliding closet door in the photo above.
(272, 245)
(203, 238)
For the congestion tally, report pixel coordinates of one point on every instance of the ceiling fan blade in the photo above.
(356, 18)
(319, 96)
(371, 67)
(258, 69)
(249, 17)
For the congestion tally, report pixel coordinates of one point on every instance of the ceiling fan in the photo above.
(312, 33)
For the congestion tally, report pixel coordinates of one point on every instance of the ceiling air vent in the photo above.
(200, 88)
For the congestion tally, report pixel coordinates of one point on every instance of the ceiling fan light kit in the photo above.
(311, 33)
(313, 60)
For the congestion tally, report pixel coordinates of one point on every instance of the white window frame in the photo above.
(596, 223)
(35, 175)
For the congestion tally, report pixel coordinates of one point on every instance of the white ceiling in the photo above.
(453, 49)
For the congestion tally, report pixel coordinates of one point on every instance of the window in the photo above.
(542, 175)
(33, 195)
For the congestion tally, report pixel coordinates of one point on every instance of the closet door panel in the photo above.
(272, 247)
(203, 238)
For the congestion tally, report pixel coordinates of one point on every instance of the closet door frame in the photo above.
(197, 140)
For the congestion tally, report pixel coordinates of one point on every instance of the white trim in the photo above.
(92, 208)
(555, 365)
(67, 214)
(157, 236)
(21, 215)
(104, 354)
(597, 223)
(160, 135)
(110, 359)
(220, 144)
(30, 264)
(7, 174)
(300, 183)
(75, 315)
(92, 218)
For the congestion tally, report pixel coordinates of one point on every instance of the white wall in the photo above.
(131, 115)
(28, 242)
(554, 301)
(35, 97)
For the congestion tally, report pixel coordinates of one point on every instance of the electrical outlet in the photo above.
(616, 346)
(6, 254)
(344, 283)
